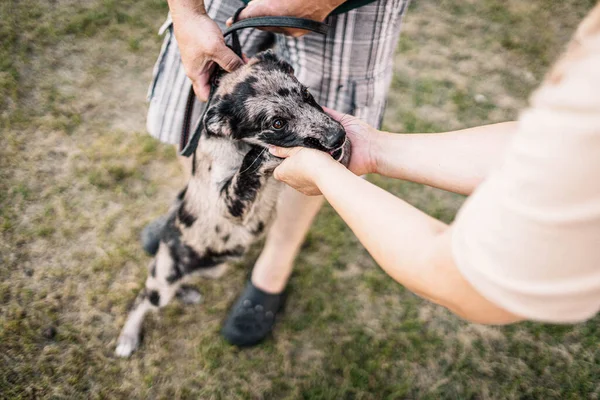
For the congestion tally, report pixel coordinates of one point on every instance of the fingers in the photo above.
(255, 8)
(247, 12)
(334, 114)
(227, 59)
(278, 173)
(202, 92)
(202, 85)
(259, 8)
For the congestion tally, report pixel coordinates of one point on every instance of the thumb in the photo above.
(283, 152)
(227, 59)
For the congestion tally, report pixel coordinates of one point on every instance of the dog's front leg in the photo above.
(162, 284)
(239, 192)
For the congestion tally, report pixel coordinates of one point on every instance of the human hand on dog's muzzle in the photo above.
(364, 139)
(303, 167)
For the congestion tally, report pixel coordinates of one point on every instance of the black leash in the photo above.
(187, 144)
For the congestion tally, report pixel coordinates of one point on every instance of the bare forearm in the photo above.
(455, 161)
(412, 247)
(395, 233)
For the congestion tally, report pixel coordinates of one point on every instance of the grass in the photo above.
(79, 179)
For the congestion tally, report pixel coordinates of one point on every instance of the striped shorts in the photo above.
(349, 69)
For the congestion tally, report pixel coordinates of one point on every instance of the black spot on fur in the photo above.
(283, 138)
(310, 100)
(217, 229)
(267, 56)
(175, 274)
(185, 216)
(182, 193)
(230, 109)
(226, 238)
(246, 185)
(153, 269)
(171, 236)
(284, 92)
(270, 61)
(187, 260)
(259, 228)
(235, 206)
(245, 89)
(154, 298)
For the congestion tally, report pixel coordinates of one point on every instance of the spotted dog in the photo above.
(230, 201)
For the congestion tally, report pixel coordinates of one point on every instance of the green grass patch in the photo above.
(75, 192)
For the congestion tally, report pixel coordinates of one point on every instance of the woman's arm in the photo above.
(455, 161)
(528, 238)
(412, 247)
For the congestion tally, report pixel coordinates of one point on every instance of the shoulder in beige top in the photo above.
(528, 239)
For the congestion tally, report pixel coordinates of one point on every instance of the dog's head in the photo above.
(263, 103)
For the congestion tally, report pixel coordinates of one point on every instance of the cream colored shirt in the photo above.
(528, 239)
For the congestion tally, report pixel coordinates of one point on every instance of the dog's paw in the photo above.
(126, 345)
(189, 295)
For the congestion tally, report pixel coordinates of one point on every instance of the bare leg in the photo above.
(295, 213)
(252, 316)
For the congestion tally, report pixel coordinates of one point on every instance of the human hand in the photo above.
(311, 9)
(302, 167)
(201, 44)
(363, 138)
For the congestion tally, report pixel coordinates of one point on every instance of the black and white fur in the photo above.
(231, 199)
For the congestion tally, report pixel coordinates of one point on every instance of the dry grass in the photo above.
(79, 179)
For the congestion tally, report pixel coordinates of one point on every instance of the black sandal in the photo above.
(252, 317)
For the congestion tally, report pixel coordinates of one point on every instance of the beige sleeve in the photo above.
(528, 239)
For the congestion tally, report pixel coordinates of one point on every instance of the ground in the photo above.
(79, 178)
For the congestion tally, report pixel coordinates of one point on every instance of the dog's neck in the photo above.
(218, 158)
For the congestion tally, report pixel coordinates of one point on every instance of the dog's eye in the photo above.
(306, 94)
(278, 124)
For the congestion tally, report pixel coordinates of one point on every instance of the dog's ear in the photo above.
(270, 58)
(285, 66)
(215, 122)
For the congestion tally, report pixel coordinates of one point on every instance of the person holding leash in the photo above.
(526, 244)
(349, 69)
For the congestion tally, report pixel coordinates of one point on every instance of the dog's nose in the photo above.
(335, 138)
